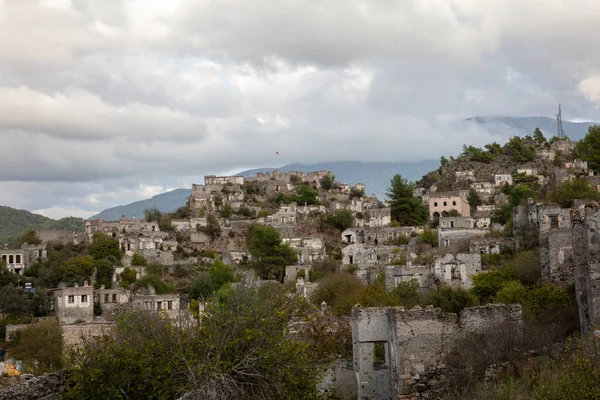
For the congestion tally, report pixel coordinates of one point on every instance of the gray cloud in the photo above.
(108, 101)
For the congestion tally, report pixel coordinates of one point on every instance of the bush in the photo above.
(39, 346)
(491, 260)
(128, 276)
(527, 267)
(451, 299)
(407, 293)
(138, 260)
(430, 237)
(340, 219)
(487, 284)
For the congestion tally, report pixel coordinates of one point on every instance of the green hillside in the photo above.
(13, 222)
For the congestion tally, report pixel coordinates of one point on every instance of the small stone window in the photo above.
(18, 259)
(159, 305)
(169, 305)
(435, 204)
(379, 355)
(11, 259)
(553, 221)
(84, 298)
(453, 203)
(71, 299)
(106, 298)
(114, 298)
(445, 204)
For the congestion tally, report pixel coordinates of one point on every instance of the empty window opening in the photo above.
(351, 259)
(454, 203)
(553, 221)
(18, 259)
(114, 298)
(159, 305)
(106, 298)
(445, 203)
(435, 204)
(11, 259)
(84, 298)
(379, 355)
(71, 299)
(170, 305)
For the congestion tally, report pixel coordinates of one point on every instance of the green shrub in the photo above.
(407, 293)
(451, 299)
(487, 284)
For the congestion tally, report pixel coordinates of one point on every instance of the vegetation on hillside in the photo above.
(14, 222)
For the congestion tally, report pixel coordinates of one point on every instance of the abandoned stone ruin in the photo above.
(399, 354)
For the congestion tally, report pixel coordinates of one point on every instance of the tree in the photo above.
(226, 211)
(270, 255)
(430, 237)
(212, 228)
(104, 246)
(518, 150)
(104, 273)
(327, 182)
(241, 349)
(474, 200)
(356, 193)
(128, 277)
(568, 191)
(538, 137)
(39, 347)
(152, 215)
(588, 148)
(13, 301)
(138, 260)
(77, 270)
(406, 209)
(451, 299)
(30, 236)
(340, 219)
(305, 195)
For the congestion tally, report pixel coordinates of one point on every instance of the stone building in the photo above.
(286, 215)
(456, 270)
(61, 237)
(167, 304)
(18, 260)
(494, 245)
(377, 236)
(586, 263)
(354, 254)
(544, 154)
(459, 237)
(309, 250)
(502, 179)
(74, 304)
(457, 223)
(484, 189)
(112, 301)
(380, 217)
(399, 354)
(121, 228)
(441, 203)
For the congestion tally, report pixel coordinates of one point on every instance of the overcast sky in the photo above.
(104, 102)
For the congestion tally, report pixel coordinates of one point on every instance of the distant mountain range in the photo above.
(376, 176)
(14, 222)
(522, 126)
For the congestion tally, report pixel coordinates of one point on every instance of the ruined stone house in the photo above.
(494, 245)
(309, 250)
(74, 304)
(18, 260)
(502, 179)
(457, 223)
(399, 354)
(441, 203)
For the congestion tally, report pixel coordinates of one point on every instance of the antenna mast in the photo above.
(560, 132)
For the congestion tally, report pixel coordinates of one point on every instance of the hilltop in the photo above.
(13, 222)
(375, 176)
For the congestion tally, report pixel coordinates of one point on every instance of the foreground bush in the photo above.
(241, 349)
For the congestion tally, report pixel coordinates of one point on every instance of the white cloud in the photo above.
(109, 101)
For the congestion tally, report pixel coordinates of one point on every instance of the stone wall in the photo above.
(47, 386)
(556, 256)
(339, 380)
(399, 353)
(74, 335)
